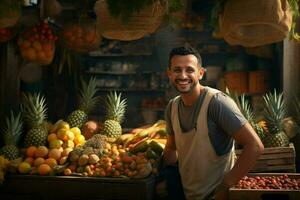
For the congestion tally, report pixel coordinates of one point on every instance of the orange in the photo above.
(90, 36)
(51, 136)
(31, 54)
(41, 56)
(44, 169)
(51, 162)
(37, 45)
(55, 154)
(47, 47)
(30, 151)
(29, 160)
(41, 151)
(25, 44)
(68, 144)
(24, 168)
(38, 161)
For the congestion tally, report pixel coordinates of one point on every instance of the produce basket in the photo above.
(81, 36)
(258, 186)
(138, 25)
(37, 44)
(7, 33)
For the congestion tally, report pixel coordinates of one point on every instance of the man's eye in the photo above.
(190, 71)
(177, 70)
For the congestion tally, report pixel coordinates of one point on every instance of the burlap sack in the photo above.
(140, 24)
(253, 23)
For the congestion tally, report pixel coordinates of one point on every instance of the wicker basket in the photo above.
(255, 23)
(139, 24)
(81, 37)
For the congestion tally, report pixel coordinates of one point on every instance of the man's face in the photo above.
(184, 73)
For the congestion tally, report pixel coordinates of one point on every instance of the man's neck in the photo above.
(190, 98)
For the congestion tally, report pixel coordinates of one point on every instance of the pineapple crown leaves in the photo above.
(34, 109)
(274, 111)
(12, 130)
(115, 107)
(87, 98)
(243, 104)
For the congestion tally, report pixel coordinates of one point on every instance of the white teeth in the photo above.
(182, 82)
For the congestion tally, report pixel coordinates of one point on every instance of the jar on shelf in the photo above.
(37, 44)
(81, 36)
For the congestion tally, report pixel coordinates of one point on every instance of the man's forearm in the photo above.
(245, 162)
(170, 157)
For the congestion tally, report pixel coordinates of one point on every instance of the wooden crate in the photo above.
(275, 159)
(263, 194)
(69, 187)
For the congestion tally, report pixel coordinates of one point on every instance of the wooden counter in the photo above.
(25, 187)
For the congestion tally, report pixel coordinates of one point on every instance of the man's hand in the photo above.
(222, 192)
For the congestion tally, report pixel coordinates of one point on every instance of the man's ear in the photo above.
(201, 72)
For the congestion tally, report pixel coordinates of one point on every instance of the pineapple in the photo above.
(274, 113)
(87, 101)
(115, 110)
(245, 108)
(11, 135)
(35, 112)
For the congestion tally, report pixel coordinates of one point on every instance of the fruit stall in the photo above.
(83, 90)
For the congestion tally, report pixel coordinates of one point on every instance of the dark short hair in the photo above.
(183, 51)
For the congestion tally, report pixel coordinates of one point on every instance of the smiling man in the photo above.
(202, 125)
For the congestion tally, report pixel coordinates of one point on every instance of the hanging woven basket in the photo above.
(255, 23)
(81, 36)
(139, 24)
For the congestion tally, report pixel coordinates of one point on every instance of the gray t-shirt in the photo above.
(224, 118)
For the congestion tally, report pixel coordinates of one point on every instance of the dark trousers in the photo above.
(171, 175)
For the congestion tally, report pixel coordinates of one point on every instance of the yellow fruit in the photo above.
(51, 162)
(80, 140)
(38, 161)
(66, 151)
(64, 125)
(41, 151)
(55, 154)
(44, 169)
(68, 144)
(51, 137)
(76, 131)
(30, 151)
(62, 134)
(63, 160)
(67, 172)
(70, 135)
(55, 144)
(24, 168)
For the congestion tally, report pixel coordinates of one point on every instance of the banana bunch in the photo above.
(3, 166)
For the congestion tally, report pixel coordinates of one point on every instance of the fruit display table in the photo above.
(267, 186)
(25, 187)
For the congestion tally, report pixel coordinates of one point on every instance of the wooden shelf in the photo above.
(101, 89)
(118, 73)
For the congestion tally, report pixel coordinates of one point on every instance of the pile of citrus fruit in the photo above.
(37, 44)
